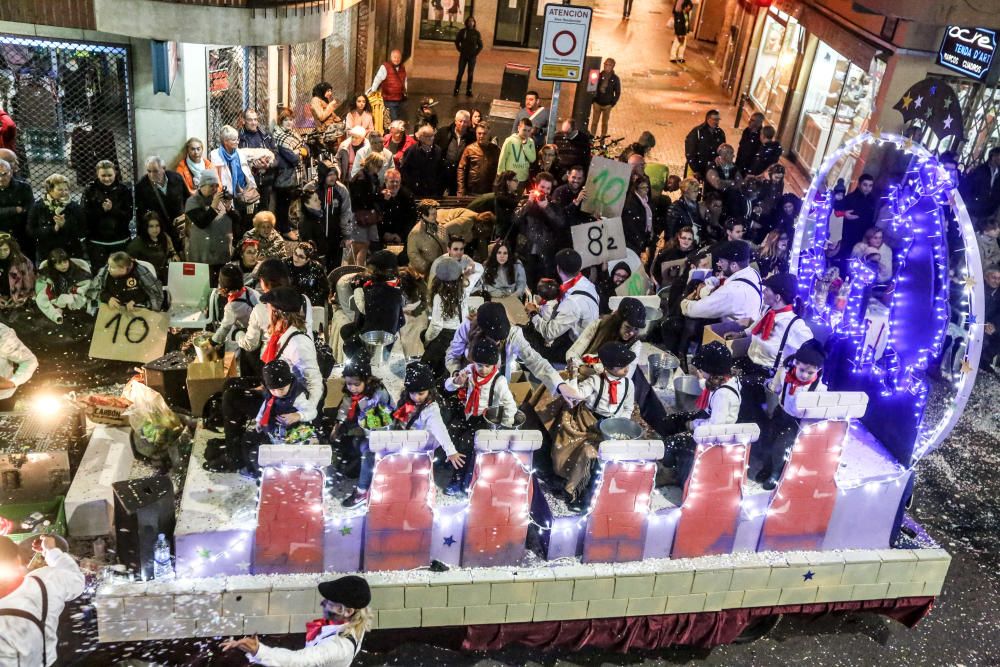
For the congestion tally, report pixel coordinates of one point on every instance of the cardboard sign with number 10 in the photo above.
(607, 187)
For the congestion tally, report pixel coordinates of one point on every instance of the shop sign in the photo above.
(564, 42)
(968, 50)
(218, 81)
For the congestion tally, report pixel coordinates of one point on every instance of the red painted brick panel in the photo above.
(616, 527)
(711, 506)
(399, 522)
(289, 537)
(497, 522)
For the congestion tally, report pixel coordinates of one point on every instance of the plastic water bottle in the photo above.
(162, 568)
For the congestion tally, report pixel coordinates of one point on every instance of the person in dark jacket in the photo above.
(152, 245)
(749, 142)
(981, 188)
(56, 222)
(163, 192)
(702, 142)
(124, 283)
(541, 230)
(685, 212)
(16, 199)
(991, 339)
(637, 217)
(477, 169)
(399, 209)
(469, 43)
(423, 166)
(573, 146)
(453, 139)
(768, 153)
(366, 203)
(107, 205)
(379, 301)
(609, 91)
(308, 275)
(570, 195)
(859, 209)
(264, 168)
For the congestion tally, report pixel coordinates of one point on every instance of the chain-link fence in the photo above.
(331, 60)
(72, 104)
(237, 80)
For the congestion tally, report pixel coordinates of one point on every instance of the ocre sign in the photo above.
(968, 50)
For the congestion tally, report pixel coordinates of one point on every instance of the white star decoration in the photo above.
(917, 102)
(947, 122)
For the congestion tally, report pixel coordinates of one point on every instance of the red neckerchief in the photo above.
(722, 281)
(271, 349)
(233, 296)
(390, 283)
(329, 196)
(569, 284)
(612, 389)
(8, 586)
(313, 628)
(265, 418)
(766, 325)
(590, 359)
(352, 412)
(793, 382)
(472, 404)
(703, 397)
(404, 412)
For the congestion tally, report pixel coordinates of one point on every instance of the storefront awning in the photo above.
(845, 42)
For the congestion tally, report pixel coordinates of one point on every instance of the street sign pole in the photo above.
(550, 133)
(563, 51)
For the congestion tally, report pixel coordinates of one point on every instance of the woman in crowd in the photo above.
(322, 106)
(772, 256)
(235, 175)
(547, 160)
(152, 245)
(57, 222)
(637, 216)
(475, 117)
(248, 261)
(211, 228)
(448, 308)
(62, 286)
(357, 139)
(678, 247)
(398, 141)
(193, 163)
(873, 248)
(621, 326)
(264, 233)
(308, 276)
(504, 274)
(327, 217)
(291, 175)
(107, 205)
(505, 200)
(366, 203)
(361, 114)
(415, 311)
(786, 213)
(17, 274)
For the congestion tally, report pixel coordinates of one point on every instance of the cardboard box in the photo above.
(717, 332)
(205, 378)
(334, 393)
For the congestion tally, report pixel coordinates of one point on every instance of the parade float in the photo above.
(642, 566)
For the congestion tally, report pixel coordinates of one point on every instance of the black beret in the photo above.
(615, 355)
(785, 285)
(714, 359)
(733, 251)
(633, 312)
(419, 377)
(385, 261)
(277, 374)
(569, 261)
(358, 365)
(351, 591)
(811, 353)
(285, 299)
(493, 322)
(485, 352)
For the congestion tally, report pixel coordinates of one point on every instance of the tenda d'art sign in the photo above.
(968, 50)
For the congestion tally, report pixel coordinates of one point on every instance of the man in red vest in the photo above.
(390, 79)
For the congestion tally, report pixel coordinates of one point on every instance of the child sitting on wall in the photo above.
(363, 393)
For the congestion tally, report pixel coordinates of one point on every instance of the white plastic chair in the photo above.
(319, 319)
(191, 305)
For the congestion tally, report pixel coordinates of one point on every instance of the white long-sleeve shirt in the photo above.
(573, 312)
(764, 352)
(786, 399)
(601, 405)
(735, 300)
(517, 349)
(723, 405)
(430, 420)
(380, 75)
(500, 390)
(255, 337)
(300, 353)
(330, 649)
(20, 639)
(438, 321)
(17, 362)
(575, 353)
(236, 312)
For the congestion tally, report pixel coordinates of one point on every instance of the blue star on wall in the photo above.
(808, 575)
(448, 541)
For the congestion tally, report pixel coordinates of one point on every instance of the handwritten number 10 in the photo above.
(609, 189)
(130, 335)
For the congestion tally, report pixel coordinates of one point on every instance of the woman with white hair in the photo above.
(397, 140)
(235, 176)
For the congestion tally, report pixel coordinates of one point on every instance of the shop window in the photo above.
(836, 108)
(442, 19)
(776, 57)
(519, 23)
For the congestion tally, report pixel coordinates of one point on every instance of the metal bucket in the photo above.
(687, 389)
(493, 418)
(378, 344)
(653, 317)
(619, 428)
(661, 369)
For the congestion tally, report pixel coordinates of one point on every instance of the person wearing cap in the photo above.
(622, 326)
(419, 411)
(779, 332)
(471, 270)
(738, 296)
(210, 211)
(331, 641)
(271, 274)
(606, 394)
(554, 332)
(426, 114)
(802, 373)
(719, 403)
(449, 307)
(287, 340)
(481, 387)
(32, 602)
(347, 152)
(239, 303)
(422, 167)
(363, 392)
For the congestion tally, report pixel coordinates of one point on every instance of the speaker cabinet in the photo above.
(144, 508)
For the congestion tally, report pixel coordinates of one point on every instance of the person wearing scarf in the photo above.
(480, 387)
(56, 222)
(234, 173)
(553, 332)
(193, 164)
(333, 640)
(778, 332)
(802, 374)
(240, 301)
(284, 402)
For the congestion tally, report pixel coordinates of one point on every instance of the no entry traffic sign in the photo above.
(564, 42)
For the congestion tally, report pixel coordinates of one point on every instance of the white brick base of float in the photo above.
(279, 604)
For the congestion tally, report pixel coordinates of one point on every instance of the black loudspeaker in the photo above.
(514, 85)
(168, 376)
(144, 508)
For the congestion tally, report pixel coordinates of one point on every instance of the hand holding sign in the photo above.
(138, 336)
(607, 185)
(599, 242)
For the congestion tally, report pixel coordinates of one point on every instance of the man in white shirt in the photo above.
(738, 297)
(471, 269)
(31, 603)
(375, 145)
(17, 365)
(553, 332)
(780, 332)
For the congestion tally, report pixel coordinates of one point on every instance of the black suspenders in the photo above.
(39, 623)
